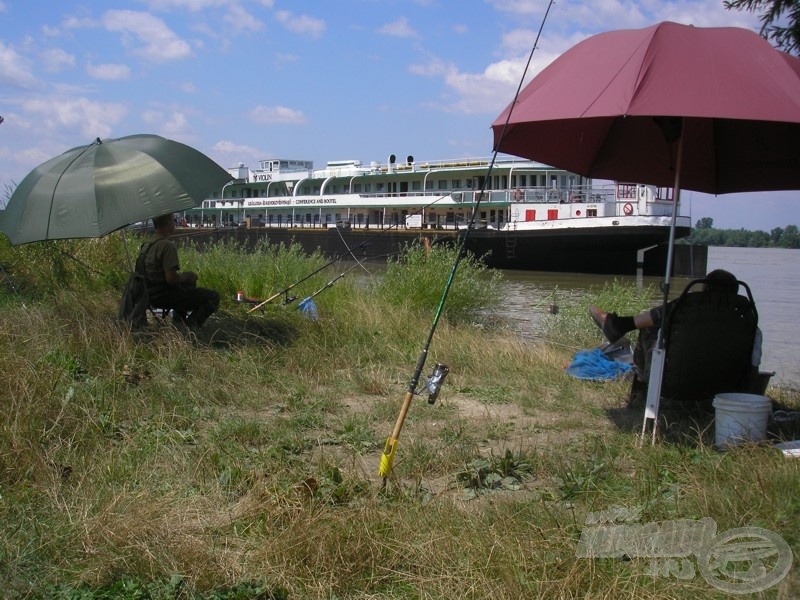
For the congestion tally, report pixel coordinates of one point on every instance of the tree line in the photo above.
(704, 234)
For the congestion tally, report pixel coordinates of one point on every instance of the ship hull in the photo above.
(599, 250)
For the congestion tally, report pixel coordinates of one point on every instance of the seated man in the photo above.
(166, 287)
(716, 315)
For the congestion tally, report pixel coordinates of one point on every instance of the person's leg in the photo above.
(198, 303)
(206, 302)
(612, 325)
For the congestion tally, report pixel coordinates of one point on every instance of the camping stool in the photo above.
(160, 313)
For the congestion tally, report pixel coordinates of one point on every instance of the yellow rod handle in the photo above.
(389, 450)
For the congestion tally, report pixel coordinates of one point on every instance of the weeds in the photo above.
(242, 462)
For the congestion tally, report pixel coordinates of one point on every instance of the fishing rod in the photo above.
(289, 299)
(335, 259)
(308, 306)
(440, 371)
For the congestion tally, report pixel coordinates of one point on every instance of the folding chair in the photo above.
(708, 348)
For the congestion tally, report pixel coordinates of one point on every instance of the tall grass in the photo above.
(572, 325)
(241, 462)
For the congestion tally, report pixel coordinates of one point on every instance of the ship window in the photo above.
(357, 188)
(416, 186)
(455, 184)
(591, 212)
(428, 185)
(442, 183)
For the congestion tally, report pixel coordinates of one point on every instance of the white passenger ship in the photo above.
(529, 216)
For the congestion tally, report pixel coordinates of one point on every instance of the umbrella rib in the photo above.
(55, 187)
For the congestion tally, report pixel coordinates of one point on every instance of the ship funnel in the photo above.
(392, 159)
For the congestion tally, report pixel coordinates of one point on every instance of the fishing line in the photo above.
(390, 449)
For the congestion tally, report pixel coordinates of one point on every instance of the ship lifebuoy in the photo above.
(628, 208)
(518, 195)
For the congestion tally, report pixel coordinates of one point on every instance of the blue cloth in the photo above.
(595, 365)
(309, 308)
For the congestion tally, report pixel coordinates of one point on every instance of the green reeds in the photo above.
(241, 461)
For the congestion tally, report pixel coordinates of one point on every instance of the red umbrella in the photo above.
(603, 109)
(714, 110)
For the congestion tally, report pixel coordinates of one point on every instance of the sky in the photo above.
(247, 80)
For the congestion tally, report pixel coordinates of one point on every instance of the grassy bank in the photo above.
(242, 462)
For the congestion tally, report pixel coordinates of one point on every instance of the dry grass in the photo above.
(249, 453)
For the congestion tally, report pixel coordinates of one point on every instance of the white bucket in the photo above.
(740, 418)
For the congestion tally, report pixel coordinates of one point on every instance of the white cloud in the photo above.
(398, 28)
(15, 70)
(231, 154)
(518, 41)
(75, 23)
(109, 72)
(268, 115)
(91, 119)
(192, 5)
(300, 24)
(240, 19)
(176, 124)
(171, 122)
(472, 93)
(283, 58)
(152, 117)
(55, 59)
(147, 36)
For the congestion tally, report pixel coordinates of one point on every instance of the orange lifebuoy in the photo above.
(628, 208)
(518, 194)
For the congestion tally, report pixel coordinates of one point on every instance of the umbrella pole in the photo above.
(127, 252)
(658, 358)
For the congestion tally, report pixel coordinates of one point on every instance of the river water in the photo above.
(773, 275)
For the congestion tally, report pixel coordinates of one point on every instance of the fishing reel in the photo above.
(433, 384)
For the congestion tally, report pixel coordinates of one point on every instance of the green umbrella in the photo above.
(93, 190)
